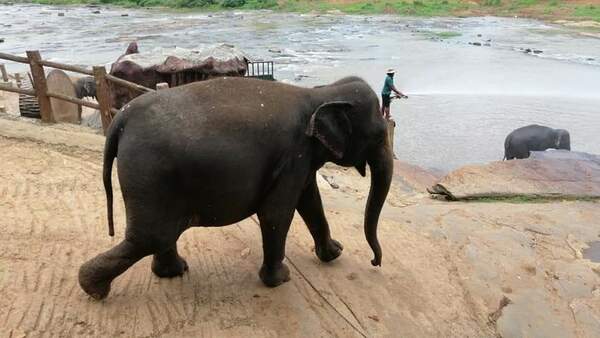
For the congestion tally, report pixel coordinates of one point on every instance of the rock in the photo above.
(478, 35)
(61, 14)
(487, 44)
(125, 14)
(537, 51)
(1, 40)
(374, 318)
(274, 50)
(528, 50)
(590, 59)
(299, 77)
(244, 253)
(476, 43)
(96, 12)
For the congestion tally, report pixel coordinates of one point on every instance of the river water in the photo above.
(464, 99)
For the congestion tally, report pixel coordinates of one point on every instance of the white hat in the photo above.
(391, 71)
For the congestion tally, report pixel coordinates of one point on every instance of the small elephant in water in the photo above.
(85, 87)
(213, 153)
(534, 137)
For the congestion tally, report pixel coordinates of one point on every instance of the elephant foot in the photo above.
(329, 252)
(89, 281)
(168, 268)
(273, 277)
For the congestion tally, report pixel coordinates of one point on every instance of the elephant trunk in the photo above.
(381, 164)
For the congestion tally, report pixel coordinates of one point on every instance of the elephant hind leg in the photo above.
(96, 275)
(153, 227)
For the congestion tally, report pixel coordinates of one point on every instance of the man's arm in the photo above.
(397, 91)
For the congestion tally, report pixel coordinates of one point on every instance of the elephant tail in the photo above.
(110, 152)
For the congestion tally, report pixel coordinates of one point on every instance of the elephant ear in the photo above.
(331, 126)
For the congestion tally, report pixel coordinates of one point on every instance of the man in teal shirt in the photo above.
(388, 87)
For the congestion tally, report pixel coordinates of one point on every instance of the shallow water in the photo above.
(593, 252)
(464, 99)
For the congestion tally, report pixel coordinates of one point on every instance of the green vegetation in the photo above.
(520, 199)
(211, 5)
(588, 12)
(550, 9)
(447, 35)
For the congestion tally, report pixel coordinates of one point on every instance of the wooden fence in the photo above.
(40, 88)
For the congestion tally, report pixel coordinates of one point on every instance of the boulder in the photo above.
(549, 174)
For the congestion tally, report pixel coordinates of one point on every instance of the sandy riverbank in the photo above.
(449, 269)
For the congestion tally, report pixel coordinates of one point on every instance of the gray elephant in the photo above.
(213, 153)
(85, 87)
(534, 137)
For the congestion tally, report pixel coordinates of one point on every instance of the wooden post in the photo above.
(103, 95)
(18, 79)
(391, 125)
(39, 85)
(4, 73)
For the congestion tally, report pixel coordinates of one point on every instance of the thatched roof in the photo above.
(221, 59)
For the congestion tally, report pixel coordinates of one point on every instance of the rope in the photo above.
(318, 292)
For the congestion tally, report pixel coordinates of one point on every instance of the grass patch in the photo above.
(447, 35)
(520, 199)
(553, 9)
(591, 12)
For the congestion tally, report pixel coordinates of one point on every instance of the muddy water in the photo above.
(464, 98)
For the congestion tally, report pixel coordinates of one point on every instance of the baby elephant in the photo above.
(534, 137)
(85, 87)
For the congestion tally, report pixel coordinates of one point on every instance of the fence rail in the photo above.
(12, 89)
(40, 88)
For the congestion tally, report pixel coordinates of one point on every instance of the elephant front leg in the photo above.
(169, 264)
(310, 208)
(274, 226)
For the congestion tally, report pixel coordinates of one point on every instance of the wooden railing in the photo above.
(40, 88)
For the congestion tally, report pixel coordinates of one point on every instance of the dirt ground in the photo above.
(450, 269)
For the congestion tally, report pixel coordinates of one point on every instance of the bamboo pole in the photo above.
(18, 80)
(9, 88)
(103, 95)
(13, 58)
(127, 84)
(39, 85)
(74, 100)
(70, 68)
(4, 73)
(391, 125)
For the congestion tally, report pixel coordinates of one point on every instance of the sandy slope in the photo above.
(446, 266)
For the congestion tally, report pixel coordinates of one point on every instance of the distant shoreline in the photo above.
(552, 10)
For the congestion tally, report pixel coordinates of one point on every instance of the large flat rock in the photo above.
(544, 174)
